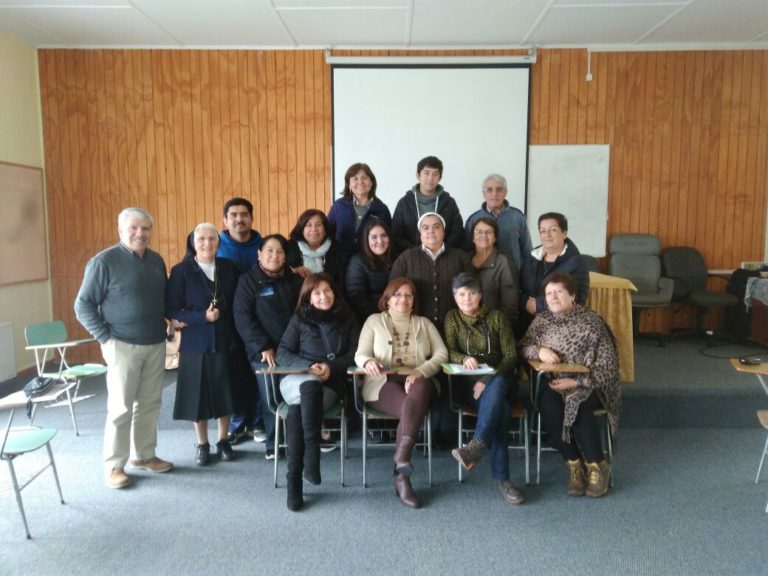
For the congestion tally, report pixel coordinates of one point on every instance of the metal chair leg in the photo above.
(72, 410)
(277, 444)
(19, 502)
(762, 458)
(365, 447)
(55, 472)
(461, 432)
(429, 445)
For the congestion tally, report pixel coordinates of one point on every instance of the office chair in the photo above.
(686, 266)
(636, 258)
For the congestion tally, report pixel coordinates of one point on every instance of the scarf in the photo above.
(314, 260)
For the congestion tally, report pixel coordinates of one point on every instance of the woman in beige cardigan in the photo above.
(398, 339)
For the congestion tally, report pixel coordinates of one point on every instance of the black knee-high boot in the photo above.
(294, 435)
(311, 420)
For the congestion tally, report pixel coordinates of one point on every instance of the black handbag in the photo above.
(38, 386)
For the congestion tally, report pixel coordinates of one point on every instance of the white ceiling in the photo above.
(395, 24)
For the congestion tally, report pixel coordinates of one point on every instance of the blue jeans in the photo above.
(492, 420)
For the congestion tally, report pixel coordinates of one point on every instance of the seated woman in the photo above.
(572, 334)
(476, 335)
(356, 207)
(496, 271)
(368, 271)
(320, 336)
(200, 294)
(312, 248)
(557, 253)
(400, 339)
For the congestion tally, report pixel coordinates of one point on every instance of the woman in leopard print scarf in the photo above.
(571, 334)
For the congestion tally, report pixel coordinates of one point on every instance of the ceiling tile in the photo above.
(100, 26)
(445, 22)
(345, 27)
(237, 22)
(715, 21)
(599, 25)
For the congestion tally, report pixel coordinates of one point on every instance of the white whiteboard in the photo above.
(475, 119)
(572, 180)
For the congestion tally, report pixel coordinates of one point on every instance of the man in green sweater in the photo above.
(121, 302)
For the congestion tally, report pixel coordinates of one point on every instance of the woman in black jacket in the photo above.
(321, 337)
(264, 303)
(368, 271)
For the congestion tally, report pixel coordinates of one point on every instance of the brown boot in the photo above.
(404, 490)
(470, 455)
(577, 481)
(598, 476)
(403, 456)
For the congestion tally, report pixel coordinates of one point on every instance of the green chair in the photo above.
(16, 442)
(51, 338)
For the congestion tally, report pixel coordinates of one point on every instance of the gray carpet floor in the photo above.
(684, 503)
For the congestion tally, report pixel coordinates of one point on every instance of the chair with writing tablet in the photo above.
(370, 415)
(541, 369)
(517, 412)
(51, 338)
(280, 409)
(16, 442)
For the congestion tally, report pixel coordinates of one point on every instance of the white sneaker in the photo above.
(259, 435)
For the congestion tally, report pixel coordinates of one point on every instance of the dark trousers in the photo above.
(246, 394)
(410, 408)
(585, 433)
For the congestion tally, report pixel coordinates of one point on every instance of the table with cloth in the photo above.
(611, 297)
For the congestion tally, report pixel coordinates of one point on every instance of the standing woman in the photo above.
(313, 249)
(200, 294)
(321, 337)
(496, 271)
(368, 270)
(357, 206)
(397, 337)
(265, 299)
(477, 335)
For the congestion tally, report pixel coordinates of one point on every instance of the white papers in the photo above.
(459, 369)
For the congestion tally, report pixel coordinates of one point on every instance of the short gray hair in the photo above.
(468, 281)
(498, 178)
(205, 226)
(133, 212)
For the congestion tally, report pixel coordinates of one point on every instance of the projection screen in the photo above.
(474, 118)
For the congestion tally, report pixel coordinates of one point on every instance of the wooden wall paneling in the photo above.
(269, 203)
(197, 199)
(251, 122)
(579, 87)
(272, 168)
(325, 122)
(244, 143)
(280, 95)
(760, 191)
(291, 142)
(302, 118)
(219, 194)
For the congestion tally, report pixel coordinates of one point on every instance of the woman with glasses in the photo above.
(557, 253)
(398, 339)
(477, 335)
(496, 271)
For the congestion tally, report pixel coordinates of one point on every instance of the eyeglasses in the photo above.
(483, 232)
(491, 189)
(401, 296)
